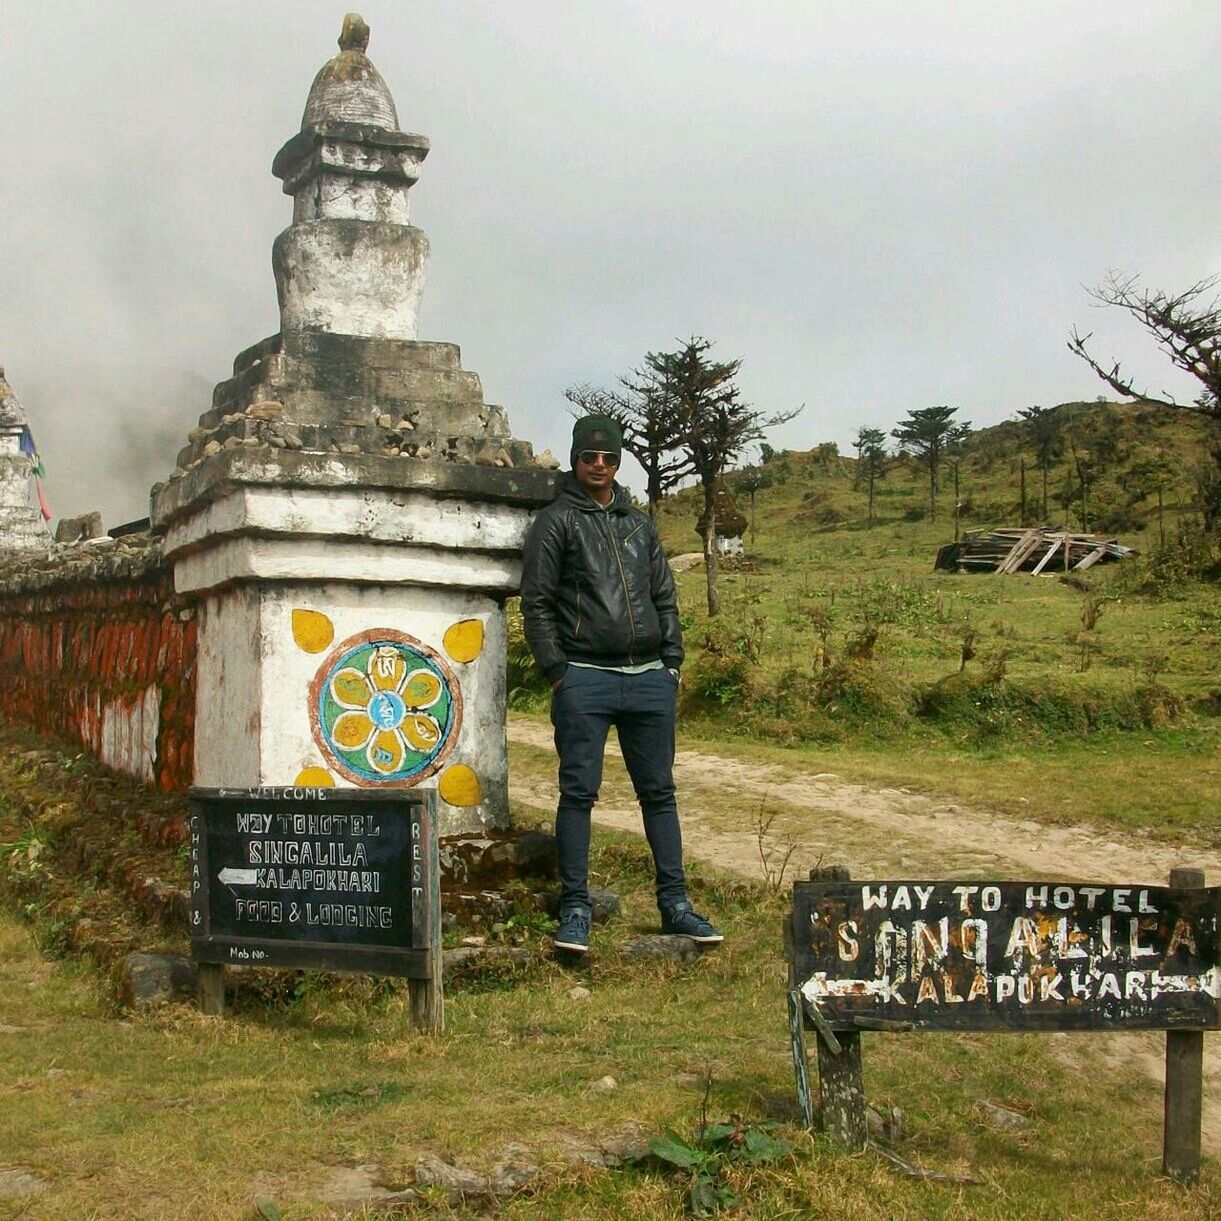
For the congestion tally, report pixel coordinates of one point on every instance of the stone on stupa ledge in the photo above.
(133, 557)
(347, 393)
(224, 472)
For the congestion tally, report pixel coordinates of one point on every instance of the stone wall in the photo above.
(96, 648)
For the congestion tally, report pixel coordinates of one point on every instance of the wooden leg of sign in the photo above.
(1184, 1082)
(841, 1084)
(801, 1065)
(841, 1087)
(427, 996)
(210, 984)
(427, 1000)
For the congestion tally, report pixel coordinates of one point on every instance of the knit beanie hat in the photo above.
(598, 432)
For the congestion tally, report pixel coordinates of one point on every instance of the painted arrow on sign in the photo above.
(239, 877)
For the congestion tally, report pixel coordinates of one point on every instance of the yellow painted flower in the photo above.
(385, 709)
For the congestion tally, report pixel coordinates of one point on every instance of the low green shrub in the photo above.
(1169, 569)
(982, 707)
(862, 695)
(726, 664)
(883, 601)
(526, 684)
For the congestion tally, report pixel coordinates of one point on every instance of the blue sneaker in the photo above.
(573, 933)
(682, 920)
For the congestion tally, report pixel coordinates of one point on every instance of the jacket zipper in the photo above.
(627, 596)
(576, 631)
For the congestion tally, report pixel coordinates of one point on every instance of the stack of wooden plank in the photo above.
(1028, 549)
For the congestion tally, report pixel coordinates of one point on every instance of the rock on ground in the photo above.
(16, 1182)
(153, 979)
(474, 957)
(605, 904)
(1001, 1117)
(457, 1182)
(665, 948)
(360, 1187)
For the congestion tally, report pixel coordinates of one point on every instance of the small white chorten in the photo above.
(21, 525)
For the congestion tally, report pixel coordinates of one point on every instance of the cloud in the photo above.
(879, 207)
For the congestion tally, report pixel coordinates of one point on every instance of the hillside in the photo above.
(1128, 452)
(837, 635)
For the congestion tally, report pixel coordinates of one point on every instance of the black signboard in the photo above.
(336, 879)
(1006, 955)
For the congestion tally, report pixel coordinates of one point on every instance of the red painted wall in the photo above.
(69, 652)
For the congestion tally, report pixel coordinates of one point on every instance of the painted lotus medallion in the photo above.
(385, 708)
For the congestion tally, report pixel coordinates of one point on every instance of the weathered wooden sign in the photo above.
(1007, 955)
(335, 879)
(904, 956)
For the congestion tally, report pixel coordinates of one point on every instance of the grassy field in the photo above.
(172, 1114)
(1093, 699)
(838, 650)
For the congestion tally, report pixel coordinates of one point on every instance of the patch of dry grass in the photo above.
(176, 1115)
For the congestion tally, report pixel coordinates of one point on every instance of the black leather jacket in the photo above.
(596, 587)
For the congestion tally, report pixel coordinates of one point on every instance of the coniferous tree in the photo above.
(930, 434)
(717, 426)
(1042, 429)
(870, 446)
(686, 415)
(751, 480)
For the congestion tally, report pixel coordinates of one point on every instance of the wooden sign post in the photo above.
(1006, 956)
(1184, 1082)
(333, 879)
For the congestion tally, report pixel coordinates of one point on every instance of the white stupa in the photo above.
(21, 525)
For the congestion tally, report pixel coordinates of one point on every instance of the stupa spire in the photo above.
(355, 33)
(350, 263)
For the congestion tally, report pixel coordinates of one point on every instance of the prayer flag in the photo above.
(43, 507)
(30, 447)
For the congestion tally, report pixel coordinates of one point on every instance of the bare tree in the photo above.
(1187, 327)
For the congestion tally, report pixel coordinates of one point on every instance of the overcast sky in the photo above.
(879, 206)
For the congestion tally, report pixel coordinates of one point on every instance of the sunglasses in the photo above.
(590, 457)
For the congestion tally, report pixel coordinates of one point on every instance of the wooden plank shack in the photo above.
(1006, 551)
(333, 879)
(908, 955)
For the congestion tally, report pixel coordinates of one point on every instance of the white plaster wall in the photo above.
(14, 483)
(238, 559)
(228, 715)
(368, 283)
(374, 514)
(344, 197)
(286, 742)
(128, 735)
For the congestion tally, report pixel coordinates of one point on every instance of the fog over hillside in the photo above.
(879, 207)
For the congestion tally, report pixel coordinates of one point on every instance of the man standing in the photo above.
(601, 617)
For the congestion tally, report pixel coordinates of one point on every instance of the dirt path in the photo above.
(869, 830)
(876, 832)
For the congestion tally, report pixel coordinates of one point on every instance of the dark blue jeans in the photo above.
(641, 707)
